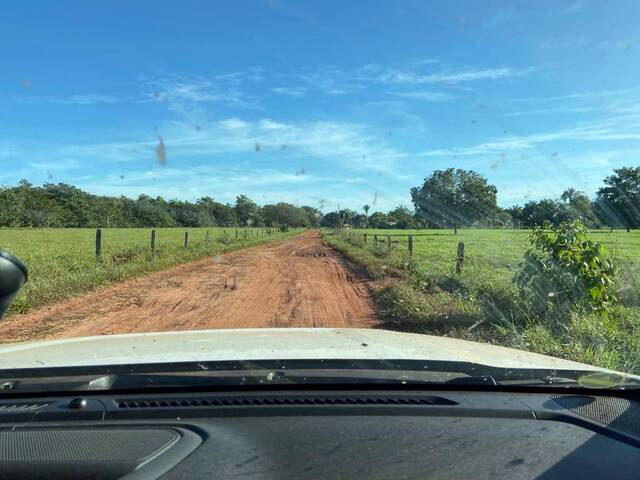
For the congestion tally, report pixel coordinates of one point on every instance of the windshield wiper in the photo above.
(297, 372)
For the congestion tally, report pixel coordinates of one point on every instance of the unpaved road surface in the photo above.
(298, 282)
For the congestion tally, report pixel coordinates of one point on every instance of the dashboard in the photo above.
(293, 434)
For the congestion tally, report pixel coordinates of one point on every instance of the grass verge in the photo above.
(483, 305)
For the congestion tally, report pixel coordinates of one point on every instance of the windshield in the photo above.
(452, 181)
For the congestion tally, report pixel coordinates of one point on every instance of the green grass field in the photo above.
(62, 262)
(481, 303)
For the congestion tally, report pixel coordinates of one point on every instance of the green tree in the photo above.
(578, 206)
(314, 216)
(379, 220)
(454, 197)
(403, 217)
(285, 215)
(619, 200)
(347, 216)
(537, 213)
(332, 220)
(246, 211)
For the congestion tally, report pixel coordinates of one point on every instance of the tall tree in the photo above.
(619, 200)
(332, 220)
(578, 206)
(454, 197)
(402, 217)
(246, 211)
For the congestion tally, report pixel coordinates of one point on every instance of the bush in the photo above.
(563, 271)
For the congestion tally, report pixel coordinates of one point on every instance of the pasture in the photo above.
(63, 262)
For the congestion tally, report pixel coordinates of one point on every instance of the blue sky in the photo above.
(321, 103)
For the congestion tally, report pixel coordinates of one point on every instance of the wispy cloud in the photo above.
(602, 131)
(295, 92)
(347, 145)
(426, 95)
(458, 76)
(77, 99)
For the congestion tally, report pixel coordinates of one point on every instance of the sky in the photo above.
(322, 103)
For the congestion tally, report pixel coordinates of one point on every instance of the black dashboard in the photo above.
(321, 434)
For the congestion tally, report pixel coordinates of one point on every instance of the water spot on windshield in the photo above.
(257, 147)
(283, 147)
(26, 83)
(300, 172)
(161, 152)
(121, 177)
(375, 198)
(49, 175)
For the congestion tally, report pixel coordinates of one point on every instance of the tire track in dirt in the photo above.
(298, 282)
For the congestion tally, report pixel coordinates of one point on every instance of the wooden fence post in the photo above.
(460, 257)
(206, 238)
(245, 234)
(375, 239)
(455, 228)
(153, 243)
(186, 239)
(389, 242)
(365, 238)
(236, 233)
(410, 245)
(98, 243)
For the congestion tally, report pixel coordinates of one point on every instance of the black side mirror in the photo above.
(13, 275)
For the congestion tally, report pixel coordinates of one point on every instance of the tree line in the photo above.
(447, 198)
(62, 205)
(464, 198)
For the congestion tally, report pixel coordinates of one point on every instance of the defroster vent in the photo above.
(270, 401)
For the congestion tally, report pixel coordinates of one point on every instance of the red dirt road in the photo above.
(295, 283)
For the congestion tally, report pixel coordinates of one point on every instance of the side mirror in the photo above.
(13, 276)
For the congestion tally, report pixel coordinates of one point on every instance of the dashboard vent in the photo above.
(270, 401)
(21, 407)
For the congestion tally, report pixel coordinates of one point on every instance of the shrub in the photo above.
(563, 271)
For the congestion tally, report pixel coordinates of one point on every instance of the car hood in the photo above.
(267, 344)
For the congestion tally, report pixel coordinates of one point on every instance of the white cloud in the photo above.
(186, 94)
(289, 91)
(346, 145)
(468, 75)
(76, 99)
(425, 95)
(608, 131)
(90, 99)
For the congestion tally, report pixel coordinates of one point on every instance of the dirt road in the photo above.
(295, 283)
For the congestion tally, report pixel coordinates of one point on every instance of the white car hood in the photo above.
(267, 344)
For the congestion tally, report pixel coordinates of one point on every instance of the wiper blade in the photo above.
(300, 372)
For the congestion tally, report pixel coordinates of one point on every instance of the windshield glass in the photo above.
(457, 181)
